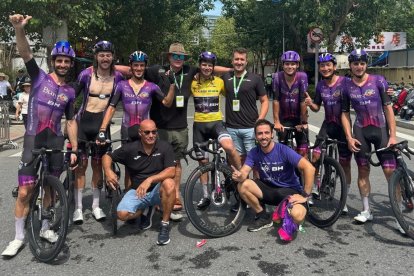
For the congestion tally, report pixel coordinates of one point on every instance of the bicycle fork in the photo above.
(217, 195)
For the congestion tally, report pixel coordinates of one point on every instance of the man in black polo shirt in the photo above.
(150, 163)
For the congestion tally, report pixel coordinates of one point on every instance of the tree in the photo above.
(224, 40)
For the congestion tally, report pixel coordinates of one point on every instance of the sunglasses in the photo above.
(147, 132)
(178, 57)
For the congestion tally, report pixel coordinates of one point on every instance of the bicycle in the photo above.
(113, 196)
(330, 189)
(216, 220)
(401, 186)
(48, 202)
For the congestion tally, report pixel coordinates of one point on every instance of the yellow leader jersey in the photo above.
(207, 103)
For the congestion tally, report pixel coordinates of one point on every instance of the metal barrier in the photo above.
(5, 127)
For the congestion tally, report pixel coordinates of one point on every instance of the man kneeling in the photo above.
(276, 165)
(150, 163)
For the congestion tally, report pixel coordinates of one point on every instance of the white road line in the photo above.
(114, 129)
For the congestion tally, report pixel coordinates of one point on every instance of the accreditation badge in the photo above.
(236, 105)
(179, 101)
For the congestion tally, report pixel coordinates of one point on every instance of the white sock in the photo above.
(165, 222)
(96, 193)
(45, 224)
(205, 191)
(78, 198)
(365, 203)
(19, 225)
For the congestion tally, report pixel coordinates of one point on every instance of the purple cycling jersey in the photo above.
(277, 167)
(48, 102)
(331, 97)
(289, 98)
(136, 106)
(367, 100)
(84, 81)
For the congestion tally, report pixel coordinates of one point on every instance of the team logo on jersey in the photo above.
(295, 91)
(265, 168)
(337, 93)
(369, 93)
(62, 97)
(144, 95)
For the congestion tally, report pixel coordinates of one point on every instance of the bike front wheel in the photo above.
(401, 192)
(54, 214)
(217, 219)
(330, 198)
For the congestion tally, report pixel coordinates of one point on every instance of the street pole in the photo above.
(283, 30)
(316, 63)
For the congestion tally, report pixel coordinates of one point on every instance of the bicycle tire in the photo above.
(115, 199)
(406, 222)
(328, 206)
(43, 250)
(68, 185)
(200, 218)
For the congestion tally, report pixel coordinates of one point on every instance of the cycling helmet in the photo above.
(103, 46)
(325, 57)
(63, 48)
(358, 55)
(138, 56)
(207, 56)
(290, 56)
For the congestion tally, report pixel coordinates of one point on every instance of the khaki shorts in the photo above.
(178, 138)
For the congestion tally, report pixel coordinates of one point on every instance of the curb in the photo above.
(401, 123)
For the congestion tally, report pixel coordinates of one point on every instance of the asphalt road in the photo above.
(346, 248)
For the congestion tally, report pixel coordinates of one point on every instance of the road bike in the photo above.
(217, 219)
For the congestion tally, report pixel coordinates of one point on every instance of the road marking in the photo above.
(114, 129)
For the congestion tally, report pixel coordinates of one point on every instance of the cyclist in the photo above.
(289, 108)
(374, 124)
(329, 92)
(136, 95)
(150, 162)
(208, 119)
(276, 164)
(51, 97)
(97, 84)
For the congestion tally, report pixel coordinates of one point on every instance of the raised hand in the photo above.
(19, 21)
(308, 100)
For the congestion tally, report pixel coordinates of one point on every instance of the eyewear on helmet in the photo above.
(178, 57)
(62, 43)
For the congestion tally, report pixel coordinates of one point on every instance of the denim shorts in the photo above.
(131, 203)
(243, 139)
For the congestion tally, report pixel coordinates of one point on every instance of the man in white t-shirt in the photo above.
(4, 85)
(23, 101)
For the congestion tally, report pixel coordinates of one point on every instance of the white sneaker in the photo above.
(364, 216)
(176, 216)
(78, 216)
(345, 210)
(49, 235)
(12, 248)
(398, 226)
(98, 214)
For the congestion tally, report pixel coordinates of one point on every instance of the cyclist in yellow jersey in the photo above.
(208, 119)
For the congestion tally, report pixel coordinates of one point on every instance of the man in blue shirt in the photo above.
(276, 165)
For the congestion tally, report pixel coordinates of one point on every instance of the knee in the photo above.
(122, 215)
(80, 171)
(298, 213)
(363, 171)
(24, 193)
(96, 164)
(243, 187)
(167, 187)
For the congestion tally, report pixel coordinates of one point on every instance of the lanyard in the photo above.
(181, 80)
(236, 89)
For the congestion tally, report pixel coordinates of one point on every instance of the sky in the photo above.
(217, 9)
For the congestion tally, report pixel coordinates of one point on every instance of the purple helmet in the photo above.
(358, 55)
(291, 56)
(325, 57)
(138, 56)
(207, 56)
(63, 48)
(103, 46)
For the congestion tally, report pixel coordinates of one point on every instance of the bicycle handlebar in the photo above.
(325, 140)
(401, 147)
(198, 147)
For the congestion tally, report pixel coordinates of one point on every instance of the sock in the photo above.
(365, 203)
(78, 198)
(96, 193)
(205, 191)
(45, 225)
(165, 222)
(19, 225)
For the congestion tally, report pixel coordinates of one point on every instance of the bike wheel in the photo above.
(328, 204)
(56, 214)
(217, 220)
(401, 192)
(115, 199)
(67, 179)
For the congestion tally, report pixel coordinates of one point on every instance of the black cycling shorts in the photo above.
(300, 137)
(274, 195)
(378, 136)
(335, 131)
(131, 133)
(203, 131)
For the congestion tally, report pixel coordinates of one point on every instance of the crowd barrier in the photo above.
(5, 127)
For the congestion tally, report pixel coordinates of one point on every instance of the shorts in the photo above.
(202, 132)
(378, 136)
(47, 139)
(243, 138)
(335, 131)
(178, 139)
(89, 125)
(131, 203)
(130, 133)
(274, 195)
(301, 138)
